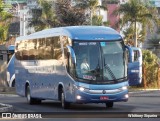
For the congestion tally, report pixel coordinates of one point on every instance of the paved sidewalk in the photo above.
(6, 108)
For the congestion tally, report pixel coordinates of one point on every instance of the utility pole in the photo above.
(22, 23)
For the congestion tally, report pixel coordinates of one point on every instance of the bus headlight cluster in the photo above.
(78, 97)
(124, 88)
(82, 89)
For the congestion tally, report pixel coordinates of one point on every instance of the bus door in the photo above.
(134, 66)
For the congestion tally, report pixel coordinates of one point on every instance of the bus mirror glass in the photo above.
(72, 53)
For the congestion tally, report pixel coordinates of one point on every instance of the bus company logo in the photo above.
(6, 115)
(104, 91)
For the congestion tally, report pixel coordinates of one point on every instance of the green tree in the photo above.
(69, 15)
(150, 61)
(129, 36)
(137, 12)
(5, 19)
(97, 20)
(44, 17)
(91, 6)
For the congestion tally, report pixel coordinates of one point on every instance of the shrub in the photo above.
(150, 64)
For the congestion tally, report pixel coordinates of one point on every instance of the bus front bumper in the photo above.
(83, 97)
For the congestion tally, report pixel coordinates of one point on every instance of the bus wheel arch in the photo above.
(26, 86)
(13, 83)
(61, 97)
(60, 88)
(30, 100)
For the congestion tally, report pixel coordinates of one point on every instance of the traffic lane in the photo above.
(20, 104)
(135, 104)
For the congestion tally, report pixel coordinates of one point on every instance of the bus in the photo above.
(10, 66)
(135, 66)
(48, 65)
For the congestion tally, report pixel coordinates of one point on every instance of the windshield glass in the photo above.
(99, 62)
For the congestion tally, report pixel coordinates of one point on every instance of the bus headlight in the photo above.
(78, 97)
(81, 89)
(124, 88)
(126, 96)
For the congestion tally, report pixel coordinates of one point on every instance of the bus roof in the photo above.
(77, 33)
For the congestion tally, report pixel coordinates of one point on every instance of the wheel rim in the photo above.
(62, 99)
(28, 95)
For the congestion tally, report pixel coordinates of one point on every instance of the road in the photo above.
(139, 103)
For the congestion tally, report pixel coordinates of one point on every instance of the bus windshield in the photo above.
(100, 62)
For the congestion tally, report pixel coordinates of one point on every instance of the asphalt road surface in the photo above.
(139, 105)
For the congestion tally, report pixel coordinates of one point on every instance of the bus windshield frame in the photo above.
(100, 62)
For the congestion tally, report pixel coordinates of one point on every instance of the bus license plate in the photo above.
(103, 98)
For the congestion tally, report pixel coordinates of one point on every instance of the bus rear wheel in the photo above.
(109, 105)
(65, 104)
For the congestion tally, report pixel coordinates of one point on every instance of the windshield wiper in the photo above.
(109, 70)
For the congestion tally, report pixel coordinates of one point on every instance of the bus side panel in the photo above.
(20, 78)
(134, 74)
(10, 70)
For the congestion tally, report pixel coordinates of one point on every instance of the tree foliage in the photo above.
(53, 14)
(69, 15)
(129, 36)
(92, 7)
(150, 61)
(5, 19)
(44, 16)
(137, 12)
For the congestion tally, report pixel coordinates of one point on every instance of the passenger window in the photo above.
(40, 48)
(136, 55)
(57, 49)
(49, 50)
(31, 49)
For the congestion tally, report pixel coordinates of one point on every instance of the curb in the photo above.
(9, 95)
(145, 93)
(6, 108)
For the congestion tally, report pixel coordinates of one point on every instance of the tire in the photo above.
(65, 104)
(109, 105)
(13, 83)
(30, 100)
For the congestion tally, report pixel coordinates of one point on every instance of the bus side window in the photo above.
(49, 49)
(57, 49)
(136, 55)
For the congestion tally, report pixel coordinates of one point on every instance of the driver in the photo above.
(85, 66)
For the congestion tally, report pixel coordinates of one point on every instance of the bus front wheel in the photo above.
(31, 100)
(65, 104)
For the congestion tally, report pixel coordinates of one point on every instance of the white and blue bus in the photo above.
(48, 65)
